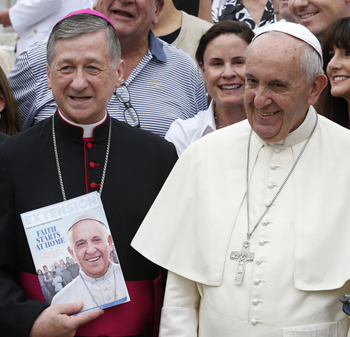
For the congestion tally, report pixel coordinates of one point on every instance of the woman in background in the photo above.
(221, 57)
(335, 99)
(10, 120)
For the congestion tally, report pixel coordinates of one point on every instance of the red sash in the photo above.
(138, 316)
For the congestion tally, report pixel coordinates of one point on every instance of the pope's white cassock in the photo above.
(301, 265)
(95, 291)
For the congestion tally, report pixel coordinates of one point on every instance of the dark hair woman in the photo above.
(221, 56)
(10, 120)
(335, 99)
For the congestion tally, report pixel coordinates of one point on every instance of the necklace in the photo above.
(217, 121)
(244, 255)
(58, 162)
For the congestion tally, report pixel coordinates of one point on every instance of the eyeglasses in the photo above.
(130, 114)
(346, 302)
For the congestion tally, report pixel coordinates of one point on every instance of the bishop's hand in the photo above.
(55, 322)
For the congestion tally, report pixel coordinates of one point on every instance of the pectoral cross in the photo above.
(243, 257)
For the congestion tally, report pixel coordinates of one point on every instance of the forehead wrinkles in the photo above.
(278, 51)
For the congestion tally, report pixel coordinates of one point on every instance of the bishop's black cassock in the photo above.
(139, 163)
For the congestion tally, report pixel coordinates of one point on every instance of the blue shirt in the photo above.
(164, 86)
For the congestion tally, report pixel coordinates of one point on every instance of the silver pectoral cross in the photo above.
(243, 257)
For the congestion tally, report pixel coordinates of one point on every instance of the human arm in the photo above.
(180, 309)
(28, 82)
(28, 12)
(55, 321)
(5, 17)
(204, 11)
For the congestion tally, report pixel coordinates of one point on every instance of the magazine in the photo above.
(74, 253)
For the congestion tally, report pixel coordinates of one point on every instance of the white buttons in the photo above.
(271, 185)
(256, 282)
(254, 321)
(108, 298)
(265, 223)
(273, 167)
(277, 150)
(104, 289)
(261, 242)
(258, 262)
(267, 203)
(255, 302)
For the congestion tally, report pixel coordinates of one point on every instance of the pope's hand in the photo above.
(55, 322)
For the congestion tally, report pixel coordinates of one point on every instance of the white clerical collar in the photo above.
(301, 133)
(88, 128)
(106, 276)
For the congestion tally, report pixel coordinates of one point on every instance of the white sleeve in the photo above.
(180, 312)
(28, 12)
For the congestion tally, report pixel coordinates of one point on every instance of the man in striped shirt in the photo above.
(163, 82)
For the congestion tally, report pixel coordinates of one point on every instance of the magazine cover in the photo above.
(74, 253)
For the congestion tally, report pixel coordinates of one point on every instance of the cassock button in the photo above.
(273, 167)
(261, 242)
(253, 321)
(270, 186)
(94, 185)
(258, 262)
(92, 164)
(267, 203)
(265, 223)
(104, 289)
(255, 302)
(108, 298)
(256, 282)
(277, 150)
(89, 145)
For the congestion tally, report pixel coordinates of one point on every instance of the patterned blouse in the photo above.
(234, 10)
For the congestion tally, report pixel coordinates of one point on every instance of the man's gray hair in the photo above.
(84, 24)
(310, 61)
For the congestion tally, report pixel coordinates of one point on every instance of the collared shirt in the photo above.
(164, 86)
(183, 133)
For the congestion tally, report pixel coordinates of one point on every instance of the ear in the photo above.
(319, 83)
(110, 242)
(202, 67)
(120, 73)
(48, 73)
(71, 252)
(159, 7)
(2, 101)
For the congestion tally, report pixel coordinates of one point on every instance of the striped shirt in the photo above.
(164, 86)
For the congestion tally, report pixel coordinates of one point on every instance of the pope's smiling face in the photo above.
(277, 96)
(90, 245)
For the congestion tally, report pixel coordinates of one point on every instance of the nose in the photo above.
(262, 99)
(297, 4)
(79, 82)
(334, 63)
(228, 71)
(90, 249)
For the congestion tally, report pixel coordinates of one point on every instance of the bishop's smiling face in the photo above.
(90, 245)
(318, 15)
(82, 77)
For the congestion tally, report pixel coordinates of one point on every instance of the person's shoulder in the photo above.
(135, 134)
(26, 139)
(3, 136)
(195, 22)
(335, 131)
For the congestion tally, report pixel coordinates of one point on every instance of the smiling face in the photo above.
(318, 15)
(277, 96)
(338, 71)
(90, 244)
(223, 69)
(82, 77)
(133, 18)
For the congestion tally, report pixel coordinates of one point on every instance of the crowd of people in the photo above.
(240, 232)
